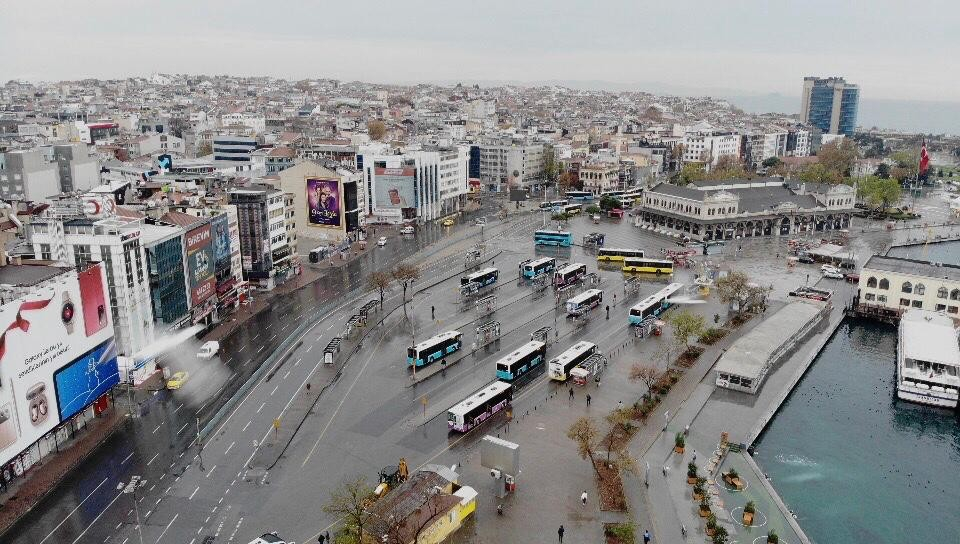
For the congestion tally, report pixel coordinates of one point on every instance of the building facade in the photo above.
(234, 150)
(830, 104)
(729, 209)
(600, 177)
(25, 175)
(77, 169)
(264, 252)
(888, 286)
(166, 265)
(511, 162)
(709, 147)
(418, 185)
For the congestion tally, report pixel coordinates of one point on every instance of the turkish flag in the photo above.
(924, 160)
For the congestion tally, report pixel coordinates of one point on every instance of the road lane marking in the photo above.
(261, 407)
(273, 337)
(298, 360)
(241, 349)
(211, 471)
(245, 426)
(274, 390)
(342, 400)
(127, 458)
(255, 337)
(177, 409)
(285, 376)
(74, 510)
(230, 447)
(94, 519)
(308, 349)
(175, 516)
(259, 350)
(157, 428)
(182, 428)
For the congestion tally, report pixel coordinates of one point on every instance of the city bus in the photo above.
(611, 194)
(584, 302)
(482, 278)
(523, 360)
(653, 305)
(476, 408)
(554, 204)
(618, 254)
(435, 348)
(579, 196)
(552, 238)
(569, 274)
(653, 266)
(629, 198)
(535, 267)
(559, 368)
(572, 209)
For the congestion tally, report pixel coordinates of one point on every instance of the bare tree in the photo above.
(737, 287)
(585, 433)
(406, 275)
(376, 129)
(349, 502)
(645, 374)
(380, 281)
(618, 422)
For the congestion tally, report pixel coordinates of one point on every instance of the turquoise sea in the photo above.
(854, 463)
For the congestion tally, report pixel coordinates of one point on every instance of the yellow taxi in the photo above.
(177, 380)
(447, 222)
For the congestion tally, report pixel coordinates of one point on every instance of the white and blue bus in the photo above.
(523, 360)
(629, 198)
(476, 408)
(535, 267)
(482, 278)
(554, 205)
(559, 368)
(653, 305)
(569, 274)
(651, 266)
(435, 348)
(584, 302)
(572, 209)
(552, 238)
(579, 196)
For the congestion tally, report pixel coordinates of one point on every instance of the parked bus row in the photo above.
(534, 267)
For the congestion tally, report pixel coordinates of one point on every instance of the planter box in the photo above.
(747, 519)
(678, 449)
(697, 498)
(704, 513)
(691, 480)
(710, 532)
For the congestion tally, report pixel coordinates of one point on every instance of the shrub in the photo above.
(750, 508)
(624, 532)
(712, 335)
(720, 535)
(692, 470)
(772, 537)
(712, 521)
(679, 440)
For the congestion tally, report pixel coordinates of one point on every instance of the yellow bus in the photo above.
(653, 266)
(617, 254)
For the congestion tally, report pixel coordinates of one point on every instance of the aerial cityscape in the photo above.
(408, 288)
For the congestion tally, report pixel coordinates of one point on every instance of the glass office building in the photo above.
(830, 104)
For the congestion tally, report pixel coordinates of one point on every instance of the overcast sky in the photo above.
(893, 49)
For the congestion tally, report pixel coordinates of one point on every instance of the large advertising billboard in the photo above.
(323, 203)
(220, 226)
(200, 264)
(57, 355)
(395, 188)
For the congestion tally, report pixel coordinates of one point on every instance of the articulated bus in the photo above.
(653, 266)
(569, 274)
(611, 194)
(617, 254)
(554, 204)
(552, 238)
(476, 408)
(483, 277)
(572, 209)
(535, 267)
(435, 348)
(653, 305)
(579, 196)
(523, 360)
(584, 302)
(559, 368)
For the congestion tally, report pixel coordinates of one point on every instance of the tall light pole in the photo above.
(199, 444)
(131, 488)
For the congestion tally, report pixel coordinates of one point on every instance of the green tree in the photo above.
(551, 169)
(686, 324)
(736, 287)
(587, 437)
(882, 171)
(819, 173)
(405, 274)
(908, 164)
(349, 503)
(593, 208)
(879, 193)
(838, 156)
(609, 203)
(691, 171)
(772, 162)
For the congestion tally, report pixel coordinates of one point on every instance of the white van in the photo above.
(208, 350)
(407, 230)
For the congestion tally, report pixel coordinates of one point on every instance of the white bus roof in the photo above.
(520, 352)
(438, 338)
(478, 397)
(570, 268)
(536, 262)
(548, 231)
(649, 260)
(479, 273)
(574, 351)
(617, 249)
(584, 296)
(661, 294)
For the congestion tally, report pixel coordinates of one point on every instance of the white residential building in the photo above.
(710, 147)
(153, 143)
(255, 121)
(422, 185)
(510, 161)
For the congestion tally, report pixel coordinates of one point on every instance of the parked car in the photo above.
(177, 380)
(829, 268)
(852, 277)
(447, 222)
(382, 241)
(805, 259)
(833, 274)
(407, 230)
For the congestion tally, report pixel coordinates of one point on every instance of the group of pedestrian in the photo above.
(560, 532)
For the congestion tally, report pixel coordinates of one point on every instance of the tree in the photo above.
(737, 287)
(405, 274)
(908, 164)
(593, 209)
(771, 162)
(551, 168)
(376, 129)
(349, 502)
(204, 149)
(818, 173)
(692, 171)
(618, 422)
(609, 203)
(645, 374)
(838, 156)
(568, 181)
(879, 193)
(882, 171)
(686, 324)
(585, 433)
(380, 281)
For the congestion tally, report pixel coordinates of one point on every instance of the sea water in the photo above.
(854, 463)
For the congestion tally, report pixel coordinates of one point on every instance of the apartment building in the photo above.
(25, 175)
(265, 254)
(78, 170)
(510, 162)
(417, 185)
(710, 147)
(830, 104)
(888, 286)
(599, 177)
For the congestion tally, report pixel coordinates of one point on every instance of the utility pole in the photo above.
(131, 488)
(199, 444)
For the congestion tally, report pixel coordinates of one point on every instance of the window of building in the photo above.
(872, 282)
(941, 307)
(869, 296)
(951, 309)
(907, 287)
(884, 284)
(942, 292)
(917, 304)
(45, 253)
(882, 299)
(919, 289)
(955, 294)
(82, 255)
(904, 302)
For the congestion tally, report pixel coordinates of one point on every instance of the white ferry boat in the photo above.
(928, 359)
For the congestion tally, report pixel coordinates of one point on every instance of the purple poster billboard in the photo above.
(323, 202)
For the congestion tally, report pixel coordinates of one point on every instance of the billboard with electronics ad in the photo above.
(57, 356)
(324, 203)
(220, 225)
(395, 188)
(200, 263)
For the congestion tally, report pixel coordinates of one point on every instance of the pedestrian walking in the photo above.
(608, 311)
(433, 312)
(588, 399)
(583, 497)
(646, 537)
(560, 533)
(694, 456)
(571, 393)
(321, 538)
(327, 534)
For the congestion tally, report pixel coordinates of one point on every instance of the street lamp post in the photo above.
(131, 488)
